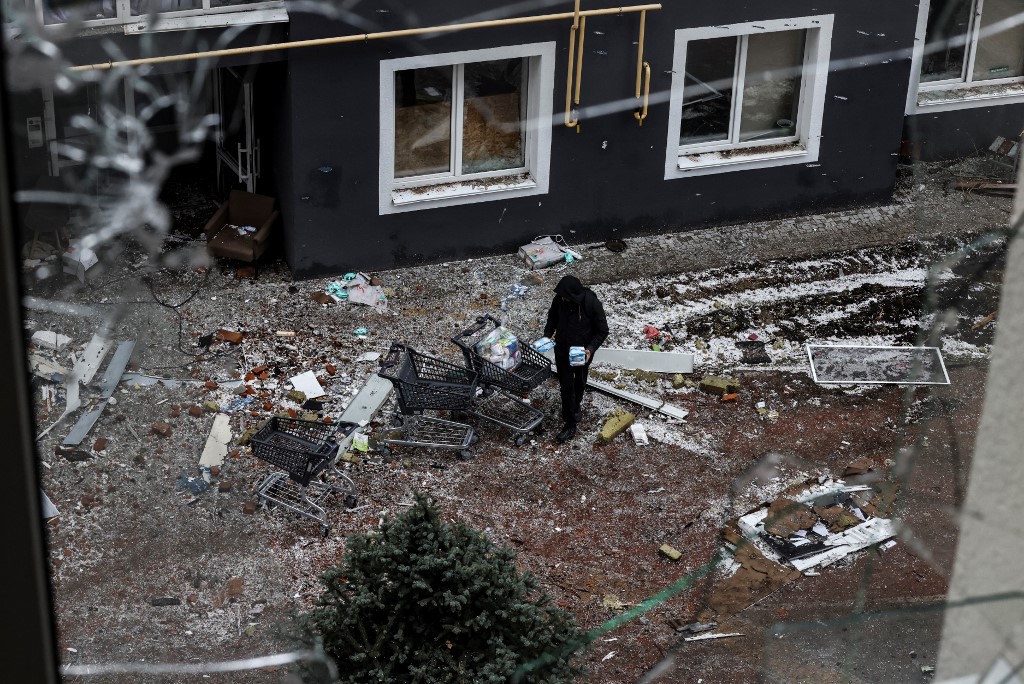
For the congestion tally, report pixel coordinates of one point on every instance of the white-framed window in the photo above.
(148, 16)
(465, 127)
(967, 53)
(747, 95)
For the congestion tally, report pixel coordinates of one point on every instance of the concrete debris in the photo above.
(47, 339)
(78, 259)
(639, 434)
(217, 443)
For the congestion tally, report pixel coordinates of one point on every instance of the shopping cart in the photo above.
(533, 369)
(304, 449)
(423, 382)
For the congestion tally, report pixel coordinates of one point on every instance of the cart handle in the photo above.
(391, 360)
(481, 322)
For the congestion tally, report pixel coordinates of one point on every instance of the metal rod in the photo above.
(642, 114)
(640, 50)
(579, 60)
(569, 121)
(360, 37)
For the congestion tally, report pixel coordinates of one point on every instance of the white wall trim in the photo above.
(539, 109)
(810, 108)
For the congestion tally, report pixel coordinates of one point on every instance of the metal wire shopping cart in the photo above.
(533, 368)
(303, 449)
(424, 382)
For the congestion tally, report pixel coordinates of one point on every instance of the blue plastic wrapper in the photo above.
(543, 344)
(577, 356)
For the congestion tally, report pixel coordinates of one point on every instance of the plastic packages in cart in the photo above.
(499, 347)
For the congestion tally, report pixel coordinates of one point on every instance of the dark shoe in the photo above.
(578, 416)
(567, 433)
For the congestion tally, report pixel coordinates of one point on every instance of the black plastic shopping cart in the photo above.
(533, 368)
(304, 449)
(424, 382)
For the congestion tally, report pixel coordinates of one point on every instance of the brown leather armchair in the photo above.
(241, 209)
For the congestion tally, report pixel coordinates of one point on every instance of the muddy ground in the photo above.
(144, 569)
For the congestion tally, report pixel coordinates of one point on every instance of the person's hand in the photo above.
(587, 352)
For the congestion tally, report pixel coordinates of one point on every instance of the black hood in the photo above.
(571, 287)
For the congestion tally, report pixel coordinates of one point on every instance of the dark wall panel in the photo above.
(948, 135)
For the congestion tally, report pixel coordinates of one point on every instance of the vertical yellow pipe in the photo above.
(640, 51)
(579, 59)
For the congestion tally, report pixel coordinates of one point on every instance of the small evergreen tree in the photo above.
(421, 600)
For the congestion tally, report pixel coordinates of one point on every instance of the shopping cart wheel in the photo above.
(519, 440)
(324, 529)
(488, 391)
(474, 439)
(466, 455)
(351, 500)
(385, 452)
(397, 421)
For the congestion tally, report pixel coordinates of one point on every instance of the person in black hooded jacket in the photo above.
(575, 319)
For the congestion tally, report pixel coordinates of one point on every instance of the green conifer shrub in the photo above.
(421, 600)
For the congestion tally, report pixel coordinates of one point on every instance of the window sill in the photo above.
(462, 192)
(741, 159)
(947, 99)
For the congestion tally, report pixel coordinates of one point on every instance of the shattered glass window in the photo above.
(277, 436)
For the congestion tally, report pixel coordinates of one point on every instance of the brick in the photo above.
(161, 429)
(258, 369)
(678, 381)
(234, 586)
(210, 385)
(331, 370)
(215, 470)
(175, 412)
(669, 552)
(249, 508)
(211, 406)
(732, 396)
(195, 411)
(713, 384)
(615, 425)
(223, 486)
(292, 413)
(268, 406)
(230, 336)
(100, 444)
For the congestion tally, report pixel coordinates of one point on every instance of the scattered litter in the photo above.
(852, 364)
(669, 552)
(616, 423)
(360, 332)
(47, 339)
(49, 510)
(308, 385)
(217, 443)
(716, 635)
(78, 259)
(609, 656)
(369, 356)
(286, 333)
(547, 250)
(195, 485)
(639, 434)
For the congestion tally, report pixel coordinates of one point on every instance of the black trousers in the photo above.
(572, 381)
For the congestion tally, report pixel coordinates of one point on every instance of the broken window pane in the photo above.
(56, 11)
(423, 121)
(156, 6)
(1001, 54)
(771, 88)
(947, 20)
(493, 116)
(707, 103)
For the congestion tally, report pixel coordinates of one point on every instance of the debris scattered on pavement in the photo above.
(615, 424)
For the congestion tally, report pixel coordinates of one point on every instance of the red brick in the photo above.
(249, 377)
(229, 336)
(195, 411)
(215, 470)
(100, 444)
(249, 508)
(210, 384)
(331, 370)
(162, 429)
(267, 406)
(224, 486)
(258, 369)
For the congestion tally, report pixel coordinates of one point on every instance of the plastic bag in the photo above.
(499, 347)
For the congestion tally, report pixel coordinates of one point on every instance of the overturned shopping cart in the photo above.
(424, 383)
(531, 371)
(304, 449)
